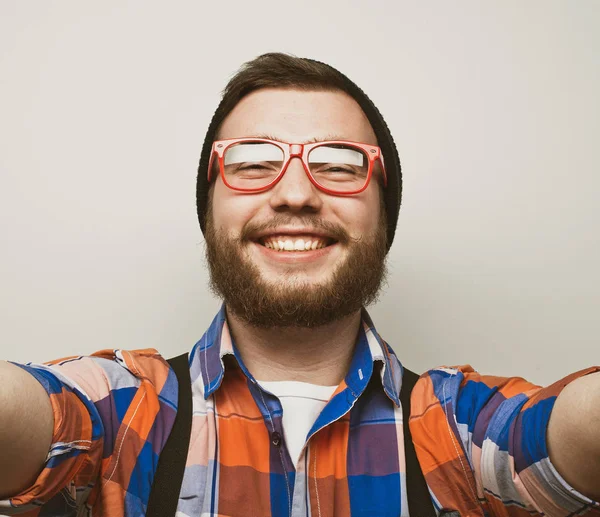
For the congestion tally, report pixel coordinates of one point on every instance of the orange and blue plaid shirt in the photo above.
(480, 440)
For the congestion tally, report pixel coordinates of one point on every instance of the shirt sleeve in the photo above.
(481, 442)
(113, 412)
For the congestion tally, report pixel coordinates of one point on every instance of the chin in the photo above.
(294, 278)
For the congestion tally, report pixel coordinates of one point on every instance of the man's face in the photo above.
(269, 287)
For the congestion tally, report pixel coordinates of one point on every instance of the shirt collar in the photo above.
(371, 353)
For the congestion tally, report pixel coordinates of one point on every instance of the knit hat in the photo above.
(392, 193)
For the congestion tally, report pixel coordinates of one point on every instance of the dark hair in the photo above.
(277, 70)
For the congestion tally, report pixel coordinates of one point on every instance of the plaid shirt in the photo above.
(480, 439)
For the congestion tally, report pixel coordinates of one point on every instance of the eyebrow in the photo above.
(314, 140)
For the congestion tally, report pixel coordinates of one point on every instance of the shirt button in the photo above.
(276, 439)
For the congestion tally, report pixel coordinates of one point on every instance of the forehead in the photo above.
(298, 116)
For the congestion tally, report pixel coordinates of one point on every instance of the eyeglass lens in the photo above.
(336, 167)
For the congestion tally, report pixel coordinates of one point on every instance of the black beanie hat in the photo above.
(392, 193)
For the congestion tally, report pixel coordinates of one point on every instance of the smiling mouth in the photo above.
(295, 243)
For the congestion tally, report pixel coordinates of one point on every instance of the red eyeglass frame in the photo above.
(294, 151)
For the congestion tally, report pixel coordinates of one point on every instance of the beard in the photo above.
(355, 282)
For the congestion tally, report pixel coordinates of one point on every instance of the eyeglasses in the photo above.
(255, 165)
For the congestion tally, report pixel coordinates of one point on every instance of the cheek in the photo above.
(231, 211)
(360, 214)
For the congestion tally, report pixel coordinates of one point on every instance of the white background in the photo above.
(493, 105)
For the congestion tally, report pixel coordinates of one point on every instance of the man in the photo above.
(296, 398)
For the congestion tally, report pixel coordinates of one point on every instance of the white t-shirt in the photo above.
(302, 403)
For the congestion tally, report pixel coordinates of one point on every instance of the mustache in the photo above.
(335, 231)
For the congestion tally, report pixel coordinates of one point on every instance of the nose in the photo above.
(294, 191)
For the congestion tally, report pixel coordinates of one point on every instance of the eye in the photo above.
(335, 168)
(257, 166)
(253, 170)
(247, 166)
(339, 168)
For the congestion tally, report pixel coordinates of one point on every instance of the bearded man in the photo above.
(295, 405)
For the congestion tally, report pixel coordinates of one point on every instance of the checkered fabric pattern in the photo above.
(480, 440)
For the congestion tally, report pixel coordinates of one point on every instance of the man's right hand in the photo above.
(26, 424)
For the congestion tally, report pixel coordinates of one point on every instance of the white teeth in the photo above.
(294, 245)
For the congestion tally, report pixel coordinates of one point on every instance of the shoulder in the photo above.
(112, 369)
(446, 383)
(456, 400)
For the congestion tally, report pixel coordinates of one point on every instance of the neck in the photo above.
(320, 355)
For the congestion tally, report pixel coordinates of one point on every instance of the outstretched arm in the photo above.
(26, 423)
(573, 435)
(500, 426)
